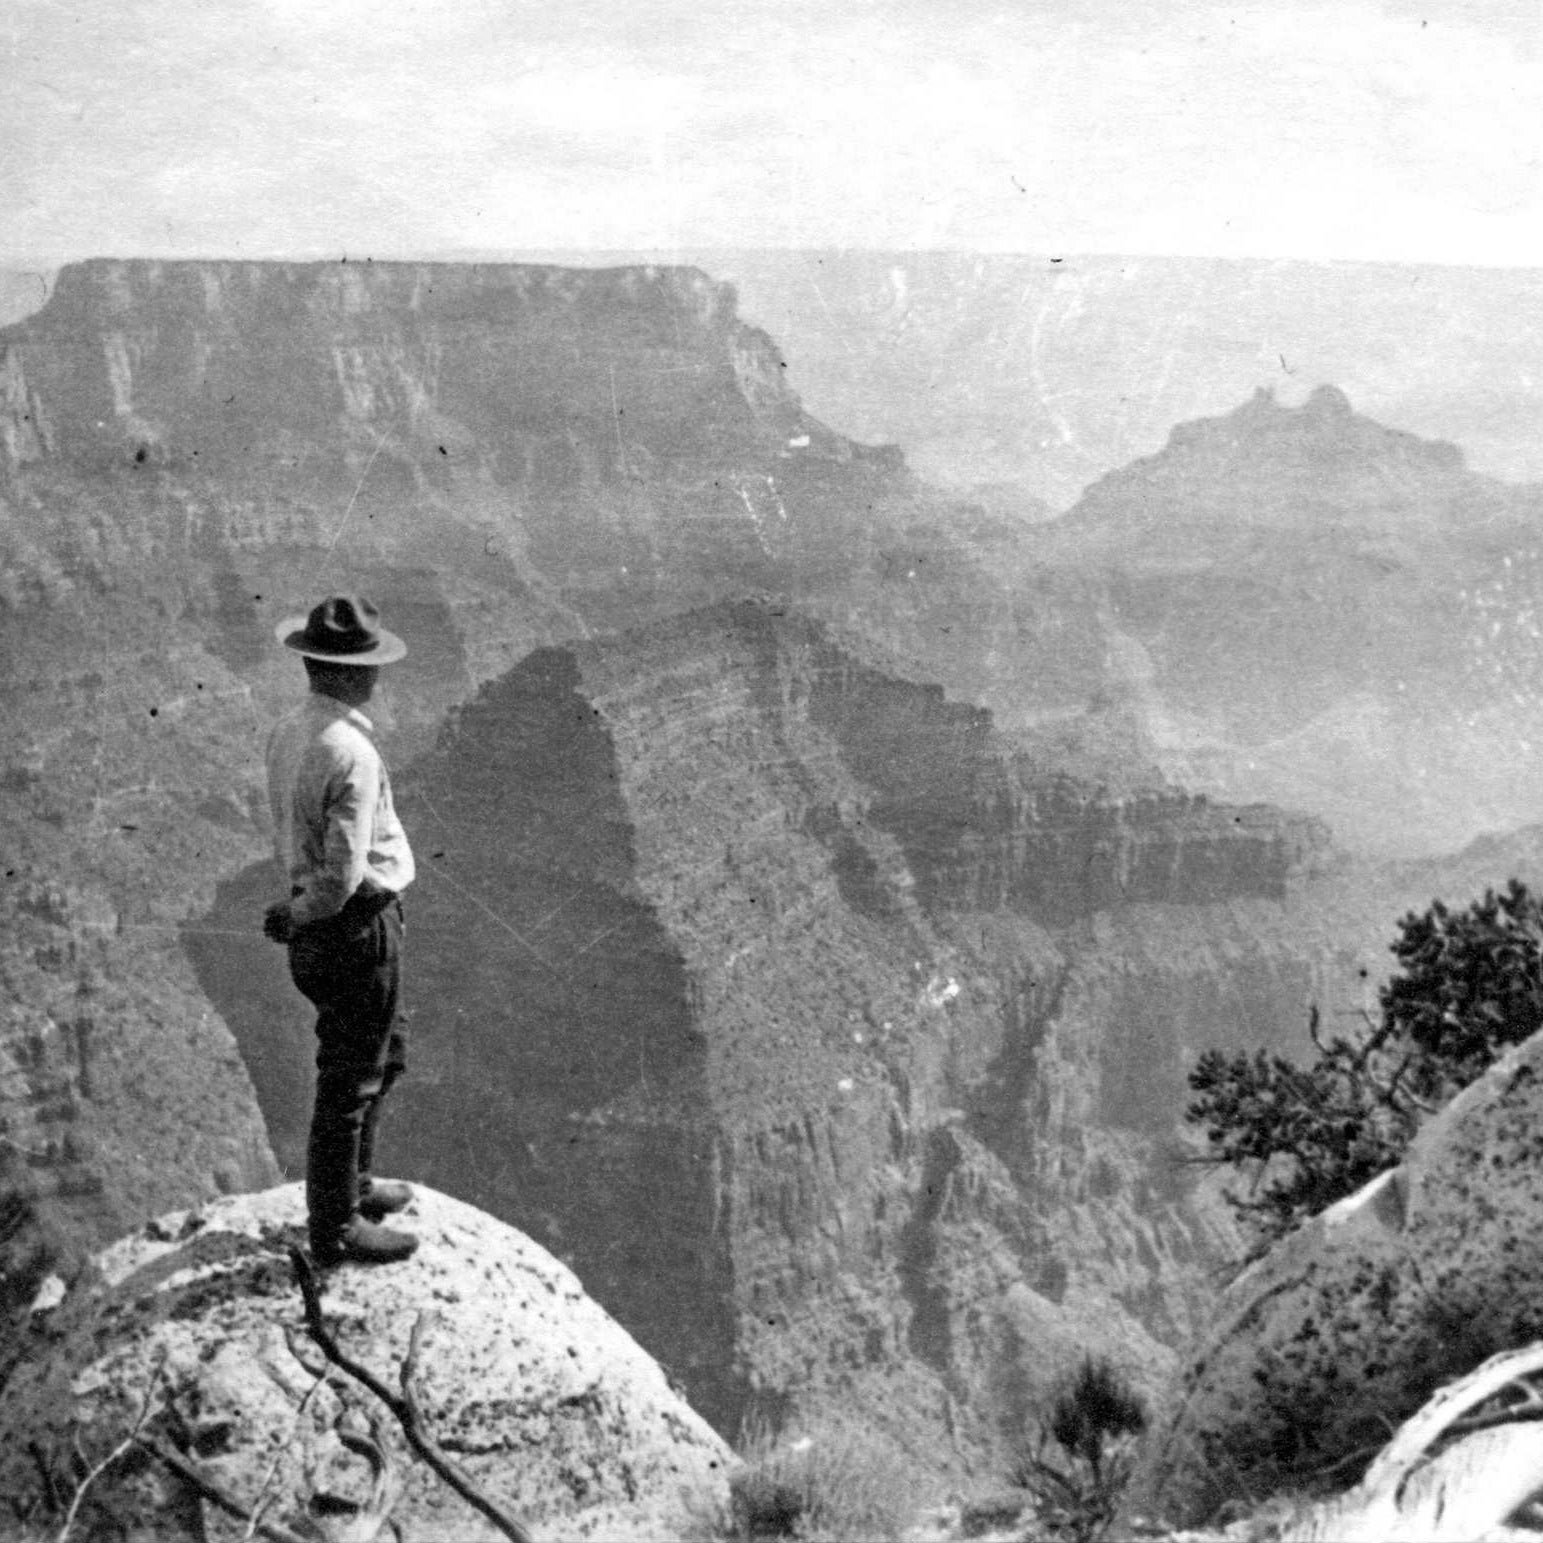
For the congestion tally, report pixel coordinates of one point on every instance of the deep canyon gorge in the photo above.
(825, 884)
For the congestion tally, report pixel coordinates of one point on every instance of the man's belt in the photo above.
(370, 902)
(360, 906)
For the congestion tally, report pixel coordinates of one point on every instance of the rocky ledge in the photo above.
(192, 1332)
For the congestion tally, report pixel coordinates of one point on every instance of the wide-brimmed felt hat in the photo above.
(343, 629)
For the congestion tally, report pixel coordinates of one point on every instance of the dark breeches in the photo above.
(350, 966)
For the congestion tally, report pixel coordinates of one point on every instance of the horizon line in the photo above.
(671, 256)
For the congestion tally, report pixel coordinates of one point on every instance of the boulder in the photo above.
(1350, 1324)
(193, 1331)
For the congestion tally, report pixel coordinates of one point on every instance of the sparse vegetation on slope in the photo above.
(834, 1481)
(1083, 1453)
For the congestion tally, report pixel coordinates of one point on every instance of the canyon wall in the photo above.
(501, 456)
(121, 1091)
(1309, 608)
(838, 1042)
(556, 451)
(814, 1067)
(615, 437)
(841, 1059)
(1289, 604)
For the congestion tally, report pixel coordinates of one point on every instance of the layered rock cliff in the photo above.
(836, 1044)
(204, 365)
(1302, 606)
(834, 1052)
(120, 1094)
(1293, 604)
(535, 452)
(501, 456)
(606, 435)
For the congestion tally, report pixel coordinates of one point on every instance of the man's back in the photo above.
(346, 861)
(334, 822)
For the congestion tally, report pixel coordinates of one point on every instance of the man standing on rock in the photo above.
(339, 841)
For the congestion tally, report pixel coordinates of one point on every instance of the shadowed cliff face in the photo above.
(502, 457)
(563, 1074)
(120, 1091)
(724, 988)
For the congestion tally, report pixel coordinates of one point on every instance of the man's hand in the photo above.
(278, 924)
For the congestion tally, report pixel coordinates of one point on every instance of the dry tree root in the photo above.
(404, 1405)
(123, 1447)
(265, 1489)
(368, 1521)
(374, 1515)
(211, 1490)
(360, 1525)
(1457, 1469)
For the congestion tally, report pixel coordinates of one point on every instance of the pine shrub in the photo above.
(1082, 1453)
(1469, 985)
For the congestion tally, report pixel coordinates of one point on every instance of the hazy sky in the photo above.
(286, 127)
(1373, 130)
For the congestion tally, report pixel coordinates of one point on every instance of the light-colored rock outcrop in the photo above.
(196, 1324)
(1350, 1324)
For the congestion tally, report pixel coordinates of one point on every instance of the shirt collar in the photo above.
(318, 702)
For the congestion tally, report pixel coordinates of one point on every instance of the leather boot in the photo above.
(381, 1197)
(339, 1234)
(365, 1242)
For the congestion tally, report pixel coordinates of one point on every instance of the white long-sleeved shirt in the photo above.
(334, 825)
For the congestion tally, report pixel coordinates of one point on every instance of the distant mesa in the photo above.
(248, 363)
(1264, 464)
(1323, 403)
(1326, 410)
(1327, 402)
